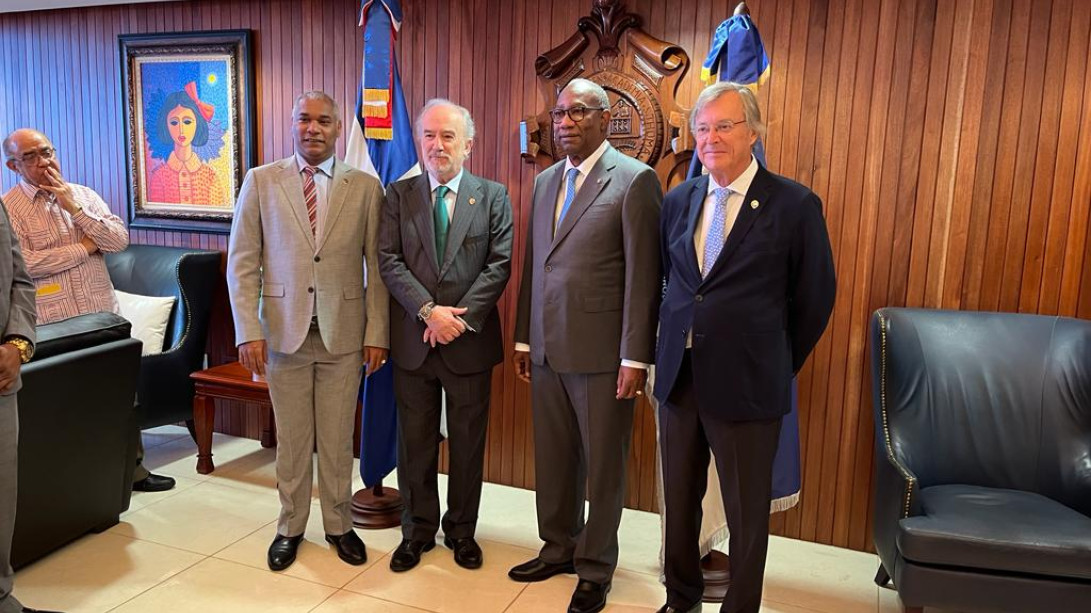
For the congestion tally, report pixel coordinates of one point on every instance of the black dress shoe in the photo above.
(29, 610)
(153, 483)
(282, 551)
(589, 597)
(349, 547)
(539, 570)
(407, 555)
(467, 552)
(690, 609)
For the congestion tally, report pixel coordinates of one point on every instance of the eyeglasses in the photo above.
(45, 153)
(721, 128)
(576, 113)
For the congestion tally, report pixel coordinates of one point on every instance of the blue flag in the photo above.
(381, 144)
(737, 54)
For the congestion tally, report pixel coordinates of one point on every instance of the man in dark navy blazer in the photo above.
(750, 288)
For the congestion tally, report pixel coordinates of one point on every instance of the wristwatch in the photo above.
(426, 311)
(26, 349)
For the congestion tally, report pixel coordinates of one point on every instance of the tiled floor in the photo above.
(201, 547)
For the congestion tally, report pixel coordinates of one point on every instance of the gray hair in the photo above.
(751, 111)
(588, 86)
(467, 120)
(317, 94)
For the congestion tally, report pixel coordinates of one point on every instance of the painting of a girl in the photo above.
(180, 140)
(184, 177)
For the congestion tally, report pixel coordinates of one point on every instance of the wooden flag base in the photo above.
(716, 569)
(377, 508)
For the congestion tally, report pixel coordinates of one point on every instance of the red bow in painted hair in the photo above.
(206, 109)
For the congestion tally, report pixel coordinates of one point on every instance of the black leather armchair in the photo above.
(76, 425)
(166, 391)
(983, 450)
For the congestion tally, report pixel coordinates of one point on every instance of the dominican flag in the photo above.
(381, 144)
(737, 54)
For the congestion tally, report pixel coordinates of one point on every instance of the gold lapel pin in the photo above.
(473, 200)
(753, 204)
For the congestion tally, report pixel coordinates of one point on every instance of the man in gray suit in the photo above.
(445, 255)
(304, 229)
(17, 312)
(585, 334)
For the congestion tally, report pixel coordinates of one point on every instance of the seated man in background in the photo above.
(63, 229)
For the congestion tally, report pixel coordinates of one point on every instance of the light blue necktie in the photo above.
(569, 194)
(714, 240)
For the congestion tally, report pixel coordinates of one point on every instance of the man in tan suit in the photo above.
(304, 228)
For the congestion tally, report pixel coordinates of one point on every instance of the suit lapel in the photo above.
(758, 193)
(292, 184)
(544, 206)
(419, 207)
(338, 189)
(592, 186)
(466, 206)
(693, 218)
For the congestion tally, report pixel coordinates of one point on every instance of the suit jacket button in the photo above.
(699, 298)
(310, 290)
(317, 259)
(549, 269)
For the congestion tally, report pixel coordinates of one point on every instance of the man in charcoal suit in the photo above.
(585, 335)
(445, 255)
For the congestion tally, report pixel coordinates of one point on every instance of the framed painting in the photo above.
(189, 126)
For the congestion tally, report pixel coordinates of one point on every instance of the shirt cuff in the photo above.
(632, 364)
(522, 347)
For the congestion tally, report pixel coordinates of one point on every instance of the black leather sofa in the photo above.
(76, 425)
(983, 451)
(191, 276)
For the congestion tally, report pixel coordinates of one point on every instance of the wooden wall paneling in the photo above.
(1040, 196)
(987, 155)
(854, 234)
(1072, 294)
(1022, 196)
(853, 499)
(1064, 243)
(801, 521)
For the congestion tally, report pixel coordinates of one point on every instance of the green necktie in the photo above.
(439, 212)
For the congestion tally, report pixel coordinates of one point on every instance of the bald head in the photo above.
(20, 137)
(29, 154)
(591, 91)
(578, 137)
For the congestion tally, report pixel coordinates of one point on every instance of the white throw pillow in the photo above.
(149, 315)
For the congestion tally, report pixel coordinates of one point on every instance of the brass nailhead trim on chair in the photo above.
(185, 300)
(909, 479)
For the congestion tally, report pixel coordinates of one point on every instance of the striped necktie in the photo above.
(310, 195)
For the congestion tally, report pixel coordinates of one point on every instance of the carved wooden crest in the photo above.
(640, 74)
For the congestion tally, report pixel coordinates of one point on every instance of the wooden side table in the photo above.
(227, 382)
